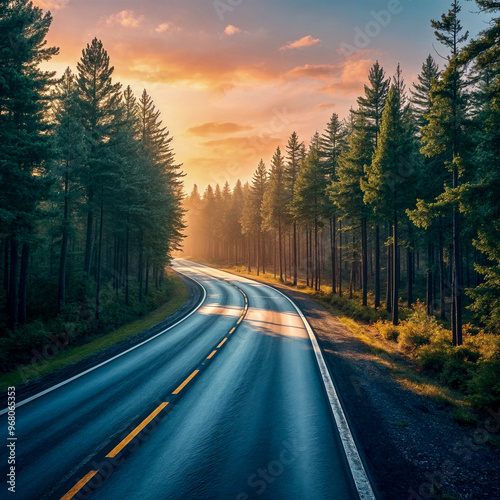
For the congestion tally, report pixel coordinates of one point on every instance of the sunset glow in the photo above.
(234, 79)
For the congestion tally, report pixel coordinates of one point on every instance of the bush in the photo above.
(388, 330)
(419, 330)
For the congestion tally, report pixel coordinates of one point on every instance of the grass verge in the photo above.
(73, 354)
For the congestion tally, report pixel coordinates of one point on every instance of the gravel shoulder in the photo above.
(412, 447)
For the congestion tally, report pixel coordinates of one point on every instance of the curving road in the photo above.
(227, 404)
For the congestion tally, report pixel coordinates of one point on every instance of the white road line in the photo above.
(53, 388)
(363, 485)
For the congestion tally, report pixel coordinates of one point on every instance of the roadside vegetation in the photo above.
(43, 347)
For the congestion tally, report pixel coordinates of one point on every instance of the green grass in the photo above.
(73, 354)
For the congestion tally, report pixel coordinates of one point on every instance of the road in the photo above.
(189, 415)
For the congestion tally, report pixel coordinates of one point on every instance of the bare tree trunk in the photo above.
(340, 259)
(395, 272)
(377, 266)
(23, 282)
(389, 272)
(13, 296)
(364, 260)
(99, 264)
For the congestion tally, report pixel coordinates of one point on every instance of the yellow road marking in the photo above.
(136, 431)
(212, 355)
(79, 485)
(221, 344)
(186, 382)
(232, 330)
(240, 320)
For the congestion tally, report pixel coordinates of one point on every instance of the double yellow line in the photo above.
(118, 448)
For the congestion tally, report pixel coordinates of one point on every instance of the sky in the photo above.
(234, 78)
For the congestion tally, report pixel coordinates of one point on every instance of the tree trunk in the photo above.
(340, 259)
(23, 282)
(377, 266)
(333, 252)
(99, 264)
(127, 263)
(13, 295)
(364, 260)
(430, 279)
(395, 272)
(389, 272)
(442, 297)
(353, 268)
(88, 243)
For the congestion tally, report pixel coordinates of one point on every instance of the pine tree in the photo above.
(309, 199)
(71, 153)
(391, 177)
(346, 193)
(251, 220)
(421, 91)
(372, 106)
(25, 145)
(274, 202)
(445, 133)
(295, 157)
(100, 107)
(480, 195)
(333, 143)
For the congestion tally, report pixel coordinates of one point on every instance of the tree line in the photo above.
(407, 185)
(90, 192)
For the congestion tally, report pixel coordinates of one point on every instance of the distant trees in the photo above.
(424, 165)
(90, 194)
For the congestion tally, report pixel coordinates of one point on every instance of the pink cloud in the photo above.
(307, 41)
(231, 30)
(325, 105)
(51, 4)
(125, 18)
(168, 26)
(317, 72)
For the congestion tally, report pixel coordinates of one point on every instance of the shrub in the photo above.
(388, 330)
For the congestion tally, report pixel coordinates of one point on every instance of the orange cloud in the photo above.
(324, 105)
(317, 72)
(168, 26)
(306, 41)
(125, 18)
(217, 71)
(243, 146)
(351, 81)
(216, 128)
(231, 30)
(51, 4)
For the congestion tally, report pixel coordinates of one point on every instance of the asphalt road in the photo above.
(189, 415)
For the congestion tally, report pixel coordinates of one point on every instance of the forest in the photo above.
(398, 204)
(90, 193)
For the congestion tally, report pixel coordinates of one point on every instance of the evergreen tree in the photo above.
(274, 202)
(251, 220)
(309, 198)
(100, 107)
(333, 143)
(25, 144)
(390, 179)
(445, 134)
(295, 157)
(421, 91)
(71, 153)
(346, 193)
